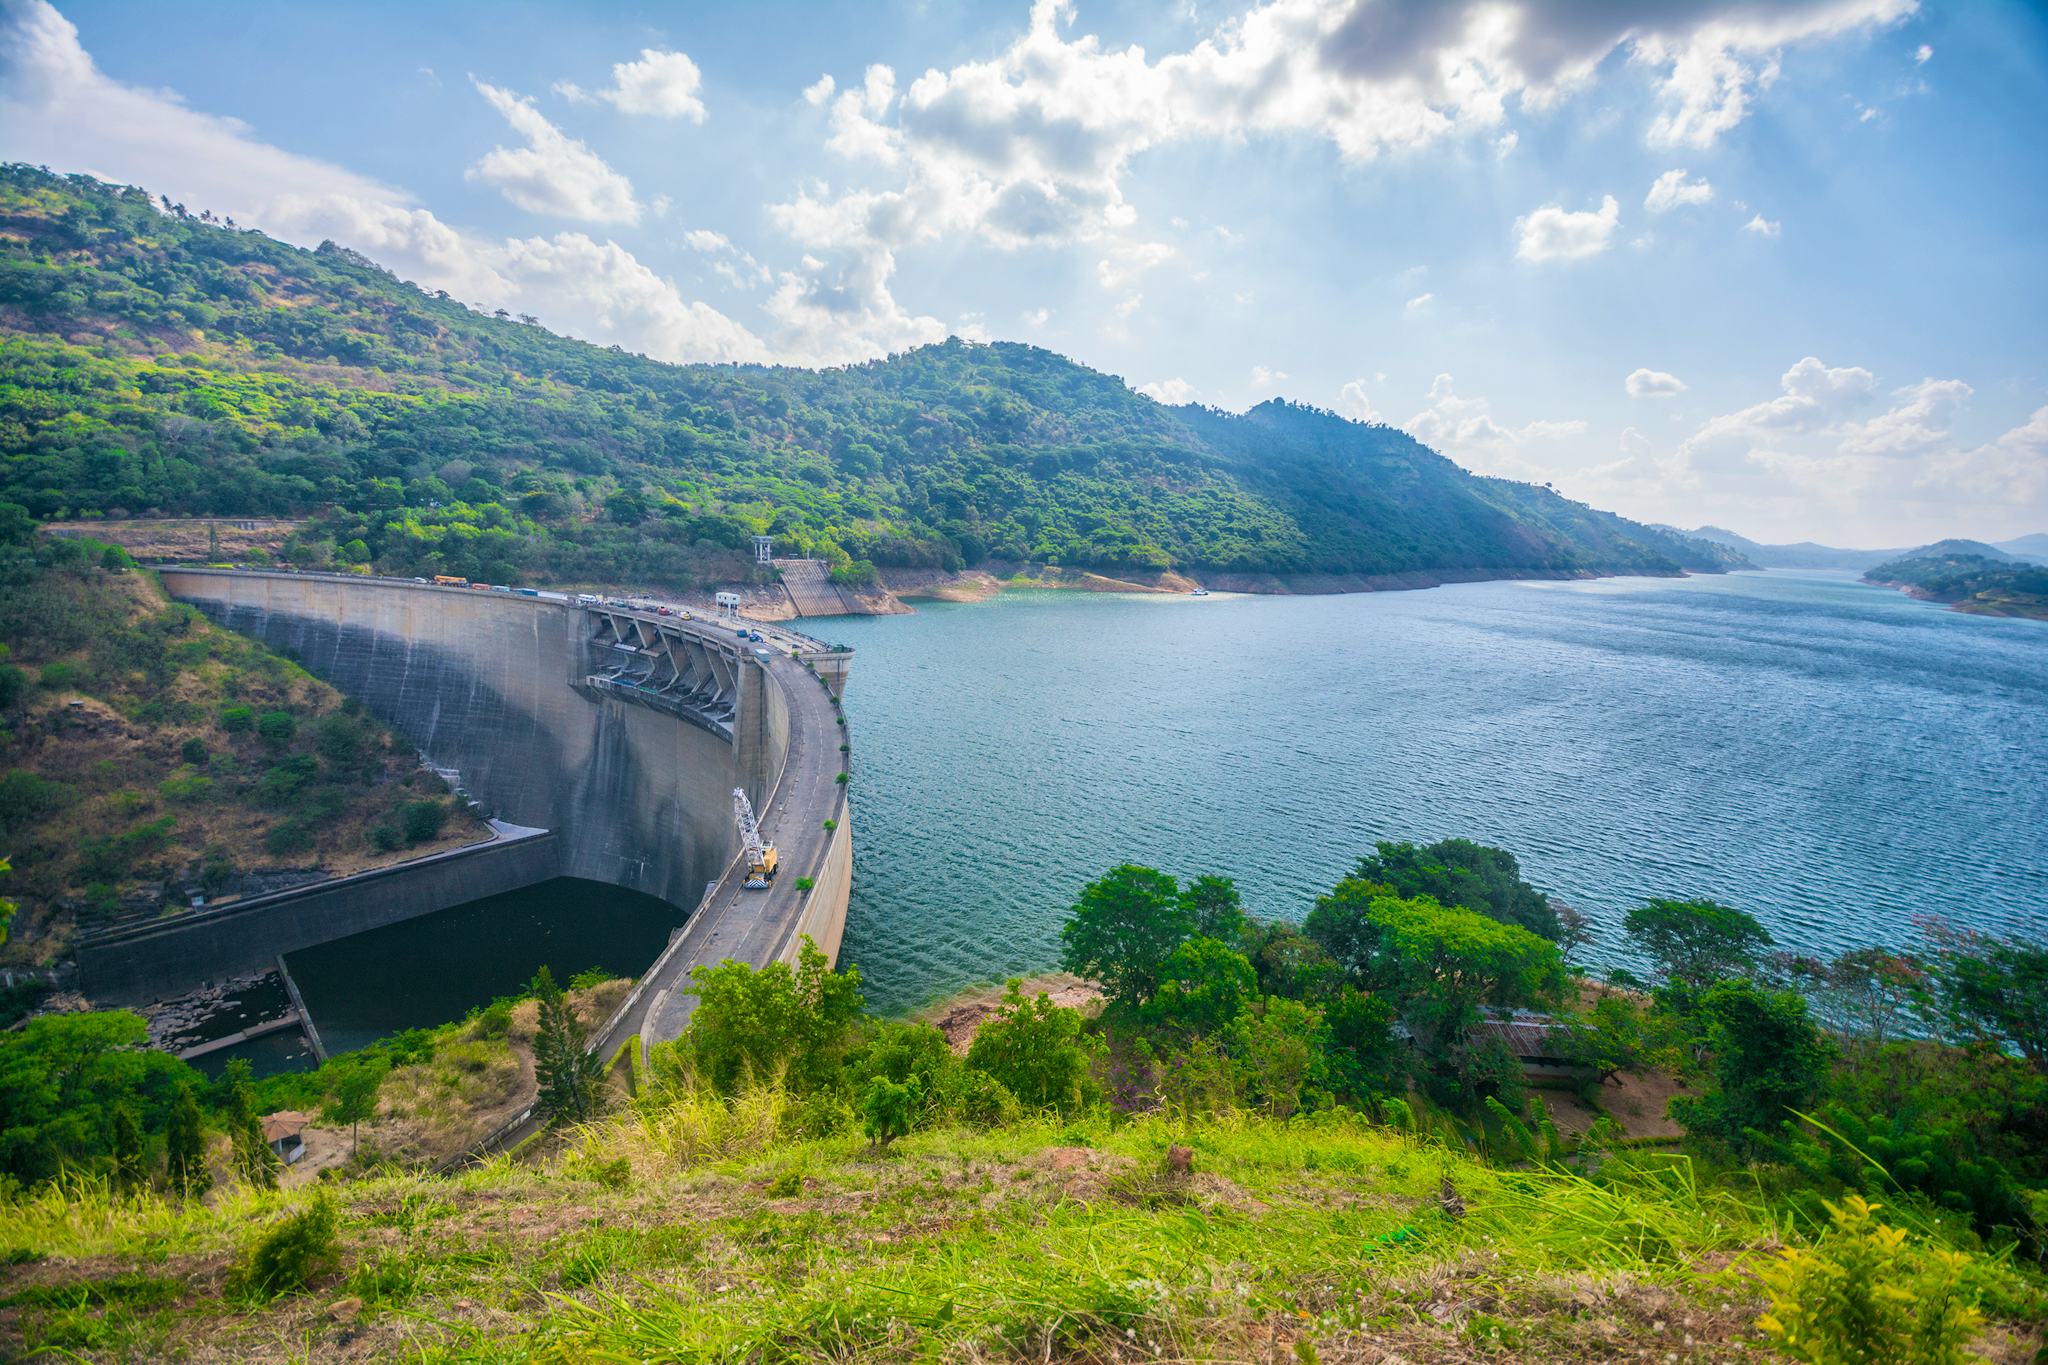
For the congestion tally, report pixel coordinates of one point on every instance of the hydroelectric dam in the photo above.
(603, 740)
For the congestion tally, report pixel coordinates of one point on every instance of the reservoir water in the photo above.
(1832, 757)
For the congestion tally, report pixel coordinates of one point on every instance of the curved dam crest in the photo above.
(605, 743)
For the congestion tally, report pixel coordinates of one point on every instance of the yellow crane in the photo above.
(760, 856)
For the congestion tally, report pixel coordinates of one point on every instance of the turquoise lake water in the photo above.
(1832, 757)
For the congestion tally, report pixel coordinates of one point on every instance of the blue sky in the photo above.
(1774, 266)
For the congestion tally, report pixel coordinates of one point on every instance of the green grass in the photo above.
(692, 1231)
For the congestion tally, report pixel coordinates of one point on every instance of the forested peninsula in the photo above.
(156, 361)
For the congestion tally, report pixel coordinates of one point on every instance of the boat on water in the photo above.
(1199, 592)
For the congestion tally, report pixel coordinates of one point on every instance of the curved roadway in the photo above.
(755, 927)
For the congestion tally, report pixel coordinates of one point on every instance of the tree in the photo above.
(1868, 995)
(1280, 1046)
(185, 1148)
(1215, 908)
(1696, 943)
(1036, 1049)
(1202, 985)
(1995, 990)
(1768, 1058)
(1574, 930)
(566, 1073)
(1460, 872)
(886, 1109)
(1364, 1058)
(353, 1086)
(1439, 964)
(255, 1162)
(128, 1153)
(1123, 928)
(774, 1024)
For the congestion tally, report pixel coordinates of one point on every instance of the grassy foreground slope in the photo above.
(154, 361)
(691, 1232)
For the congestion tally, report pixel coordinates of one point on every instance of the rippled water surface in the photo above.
(1832, 757)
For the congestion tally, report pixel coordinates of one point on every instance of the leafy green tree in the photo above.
(1202, 985)
(1123, 929)
(1280, 1045)
(1441, 964)
(422, 820)
(888, 1109)
(1290, 963)
(1215, 908)
(773, 1024)
(185, 1169)
(353, 1084)
(1991, 989)
(1364, 1058)
(255, 1162)
(1038, 1050)
(1768, 1058)
(1696, 943)
(1460, 872)
(129, 1172)
(63, 1077)
(566, 1073)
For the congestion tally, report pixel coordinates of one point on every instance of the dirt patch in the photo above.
(186, 539)
(960, 1016)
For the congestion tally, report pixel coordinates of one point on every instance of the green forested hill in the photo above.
(152, 361)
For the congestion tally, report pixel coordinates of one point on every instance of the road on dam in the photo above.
(758, 926)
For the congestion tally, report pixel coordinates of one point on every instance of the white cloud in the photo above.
(1172, 392)
(1264, 378)
(1646, 383)
(1552, 233)
(1922, 54)
(1816, 456)
(1128, 260)
(820, 90)
(1129, 305)
(1672, 190)
(660, 84)
(1464, 429)
(598, 289)
(1037, 317)
(1418, 304)
(553, 173)
(1353, 402)
(1504, 145)
(1762, 226)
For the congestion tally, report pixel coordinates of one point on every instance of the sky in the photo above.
(1777, 267)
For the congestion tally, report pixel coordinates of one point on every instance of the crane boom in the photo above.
(760, 856)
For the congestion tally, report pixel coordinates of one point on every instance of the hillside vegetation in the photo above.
(1971, 582)
(157, 362)
(147, 757)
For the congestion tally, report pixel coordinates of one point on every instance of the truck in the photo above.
(586, 599)
(449, 580)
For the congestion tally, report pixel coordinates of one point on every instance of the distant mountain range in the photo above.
(1806, 554)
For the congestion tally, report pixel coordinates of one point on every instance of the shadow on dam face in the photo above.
(490, 688)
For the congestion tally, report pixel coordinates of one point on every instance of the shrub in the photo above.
(1037, 1050)
(290, 1256)
(237, 719)
(1864, 1294)
(422, 820)
(58, 676)
(185, 788)
(804, 883)
(283, 782)
(193, 751)
(276, 728)
(385, 838)
(292, 836)
(886, 1109)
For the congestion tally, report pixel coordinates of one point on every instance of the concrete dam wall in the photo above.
(619, 734)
